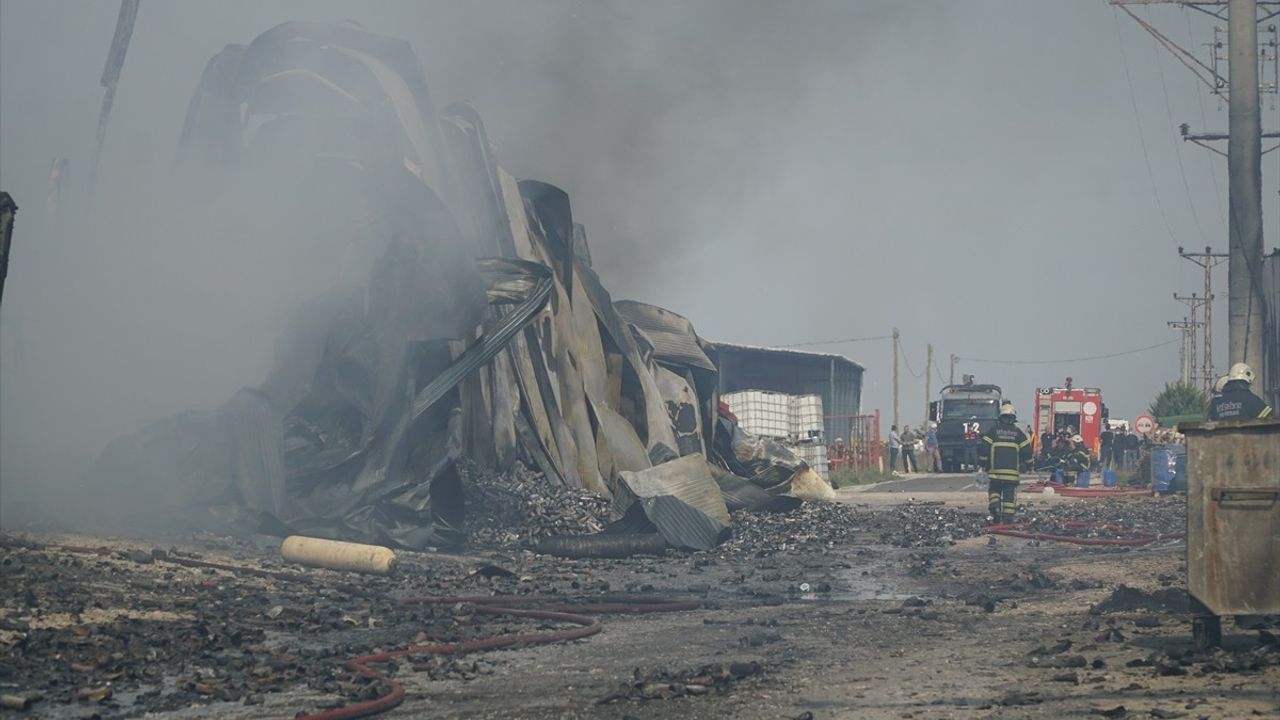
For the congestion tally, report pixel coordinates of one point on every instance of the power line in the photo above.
(837, 342)
(1071, 360)
(907, 362)
(1177, 151)
(1142, 141)
(1204, 123)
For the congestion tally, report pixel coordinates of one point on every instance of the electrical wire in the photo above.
(837, 342)
(1177, 150)
(907, 362)
(1142, 140)
(1070, 360)
(1204, 123)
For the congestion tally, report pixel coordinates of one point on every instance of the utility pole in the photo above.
(951, 379)
(1245, 302)
(1207, 260)
(1187, 353)
(928, 383)
(1195, 374)
(895, 377)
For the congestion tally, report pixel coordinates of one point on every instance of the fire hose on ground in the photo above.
(554, 608)
(557, 608)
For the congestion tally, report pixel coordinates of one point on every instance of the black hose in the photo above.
(602, 546)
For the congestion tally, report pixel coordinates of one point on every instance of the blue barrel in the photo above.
(1082, 479)
(1057, 476)
(1179, 484)
(1108, 478)
(1165, 463)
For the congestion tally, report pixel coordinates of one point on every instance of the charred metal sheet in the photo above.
(683, 501)
(8, 209)
(682, 407)
(1233, 516)
(657, 427)
(672, 335)
(742, 494)
(490, 344)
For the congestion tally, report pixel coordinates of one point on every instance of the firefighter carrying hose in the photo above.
(1236, 401)
(1004, 452)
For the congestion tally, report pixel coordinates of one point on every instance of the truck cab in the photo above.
(960, 408)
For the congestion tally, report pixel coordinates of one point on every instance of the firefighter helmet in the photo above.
(1220, 385)
(1240, 371)
(1077, 439)
(1007, 409)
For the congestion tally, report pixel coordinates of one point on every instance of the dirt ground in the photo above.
(888, 606)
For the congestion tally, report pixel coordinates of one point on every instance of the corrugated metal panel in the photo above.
(683, 500)
(672, 335)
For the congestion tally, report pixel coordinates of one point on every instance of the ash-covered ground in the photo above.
(877, 606)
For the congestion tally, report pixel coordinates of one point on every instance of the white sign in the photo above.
(1144, 424)
(1091, 408)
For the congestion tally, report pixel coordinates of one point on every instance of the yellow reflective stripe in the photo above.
(987, 440)
(1024, 443)
(1266, 411)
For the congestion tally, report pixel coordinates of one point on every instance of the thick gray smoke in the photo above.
(778, 172)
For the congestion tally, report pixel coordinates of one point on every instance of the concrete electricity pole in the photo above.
(1187, 353)
(1193, 374)
(1207, 260)
(951, 379)
(1245, 303)
(895, 376)
(928, 384)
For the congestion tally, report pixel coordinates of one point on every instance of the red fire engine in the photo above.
(1070, 409)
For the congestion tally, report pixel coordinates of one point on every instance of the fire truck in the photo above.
(1072, 410)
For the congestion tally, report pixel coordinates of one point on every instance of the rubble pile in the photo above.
(468, 326)
(664, 684)
(509, 509)
(1159, 516)
(930, 525)
(123, 634)
(812, 526)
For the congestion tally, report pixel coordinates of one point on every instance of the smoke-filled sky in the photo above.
(978, 175)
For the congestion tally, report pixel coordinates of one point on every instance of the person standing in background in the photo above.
(931, 448)
(895, 446)
(1108, 442)
(909, 439)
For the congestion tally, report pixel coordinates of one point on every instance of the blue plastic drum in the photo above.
(1082, 479)
(1168, 468)
(1108, 478)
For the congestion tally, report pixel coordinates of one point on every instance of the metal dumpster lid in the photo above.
(1207, 426)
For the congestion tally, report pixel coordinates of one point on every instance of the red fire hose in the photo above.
(1089, 492)
(1123, 536)
(557, 607)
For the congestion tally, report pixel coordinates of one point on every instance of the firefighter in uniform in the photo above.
(1005, 451)
(1077, 459)
(1236, 401)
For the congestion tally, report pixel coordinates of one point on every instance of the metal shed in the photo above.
(834, 377)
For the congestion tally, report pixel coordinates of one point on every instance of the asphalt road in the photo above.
(927, 482)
